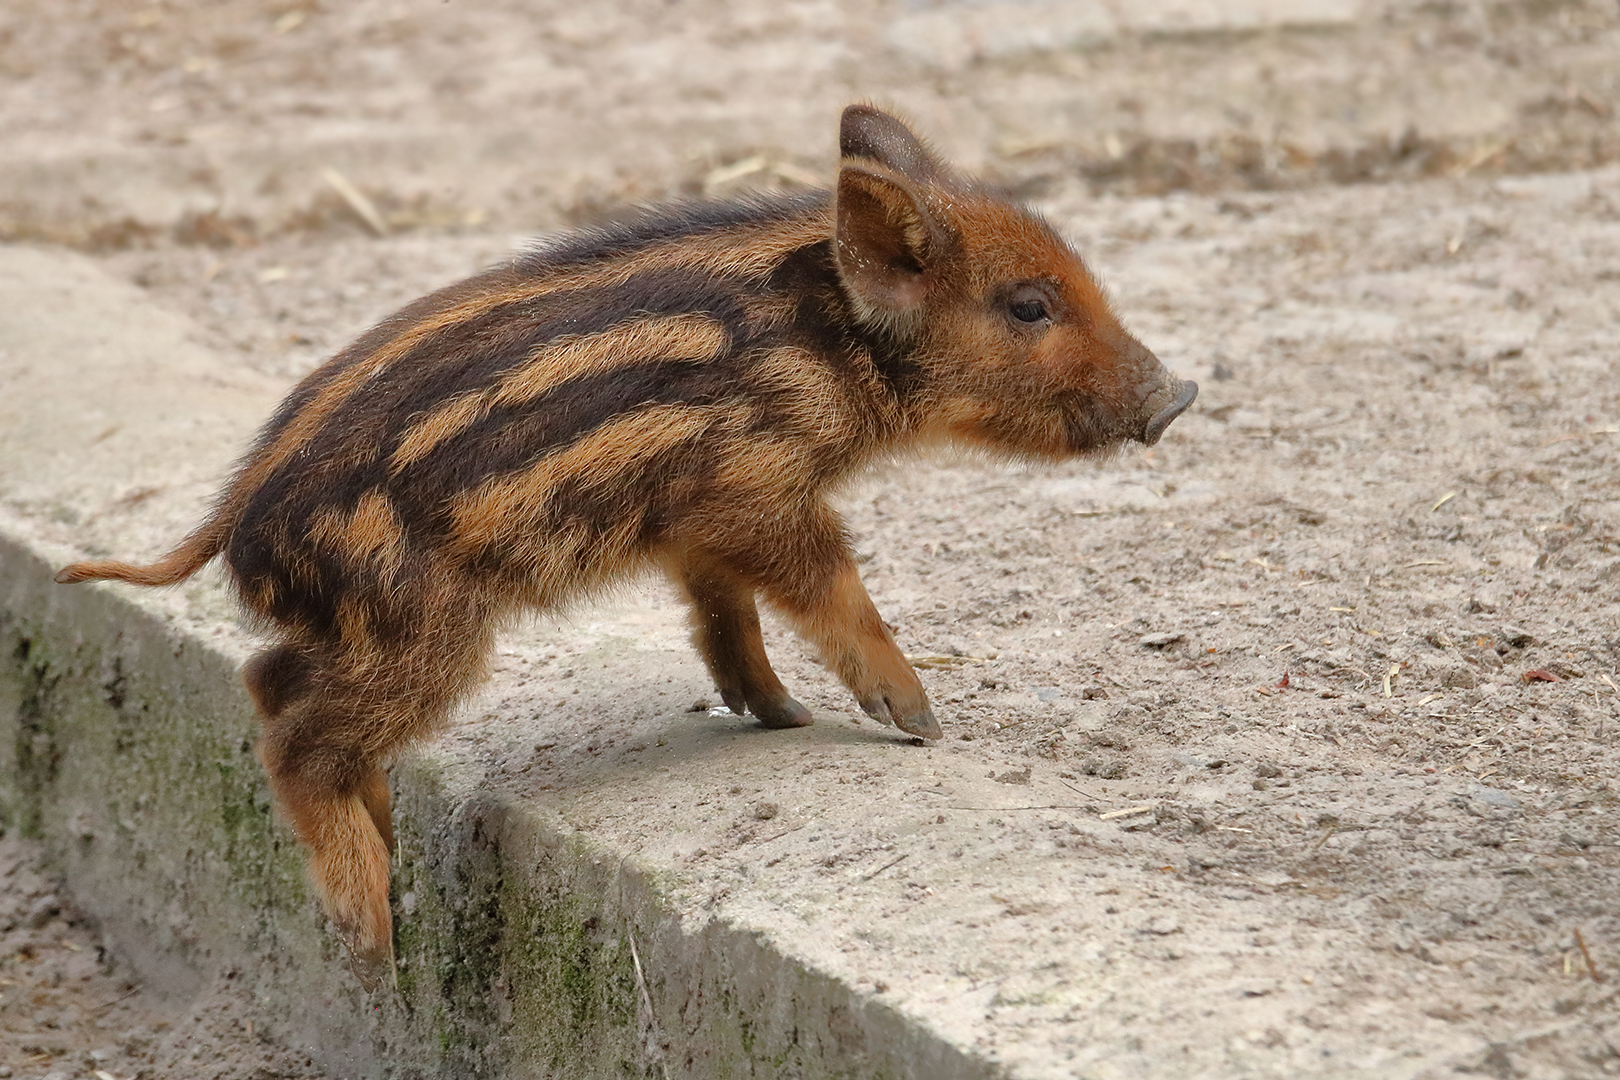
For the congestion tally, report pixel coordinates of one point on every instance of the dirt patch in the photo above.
(70, 1009)
(1348, 634)
(215, 125)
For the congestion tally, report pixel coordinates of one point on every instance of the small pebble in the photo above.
(1159, 641)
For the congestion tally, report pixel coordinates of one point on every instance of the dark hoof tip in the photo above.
(923, 727)
(782, 715)
(373, 969)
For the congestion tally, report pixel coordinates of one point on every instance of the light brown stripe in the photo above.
(809, 393)
(463, 411)
(692, 338)
(375, 533)
(770, 466)
(372, 532)
(502, 509)
(695, 337)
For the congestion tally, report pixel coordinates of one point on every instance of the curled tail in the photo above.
(206, 541)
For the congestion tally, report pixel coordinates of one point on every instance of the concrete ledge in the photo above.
(126, 744)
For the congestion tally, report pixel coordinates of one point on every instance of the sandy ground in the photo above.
(70, 1009)
(1349, 631)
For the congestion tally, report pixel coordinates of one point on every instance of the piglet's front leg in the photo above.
(805, 569)
(859, 648)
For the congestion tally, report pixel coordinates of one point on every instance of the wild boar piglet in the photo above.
(680, 390)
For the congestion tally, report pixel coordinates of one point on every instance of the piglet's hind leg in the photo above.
(336, 799)
(726, 629)
(348, 864)
(375, 797)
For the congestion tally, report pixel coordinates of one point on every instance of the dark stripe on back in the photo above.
(475, 354)
(467, 357)
(512, 440)
(824, 323)
(378, 337)
(643, 229)
(664, 224)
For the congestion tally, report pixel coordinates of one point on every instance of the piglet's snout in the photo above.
(1160, 397)
(1164, 405)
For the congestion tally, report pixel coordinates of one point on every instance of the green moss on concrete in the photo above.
(128, 749)
(507, 978)
(128, 755)
(578, 1000)
(35, 757)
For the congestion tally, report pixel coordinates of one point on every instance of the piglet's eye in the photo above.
(1028, 310)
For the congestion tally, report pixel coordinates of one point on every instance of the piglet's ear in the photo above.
(886, 243)
(873, 134)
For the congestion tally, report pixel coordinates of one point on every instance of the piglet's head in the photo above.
(1018, 349)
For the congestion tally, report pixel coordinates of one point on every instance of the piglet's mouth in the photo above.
(1185, 394)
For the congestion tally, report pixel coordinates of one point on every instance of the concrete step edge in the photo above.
(525, 947)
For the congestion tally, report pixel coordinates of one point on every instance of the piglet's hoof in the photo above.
(918, 721)
(921, 724)
(371, 954)
(373, 967)
(785, 713)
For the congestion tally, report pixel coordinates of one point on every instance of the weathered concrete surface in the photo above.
(126, 743)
